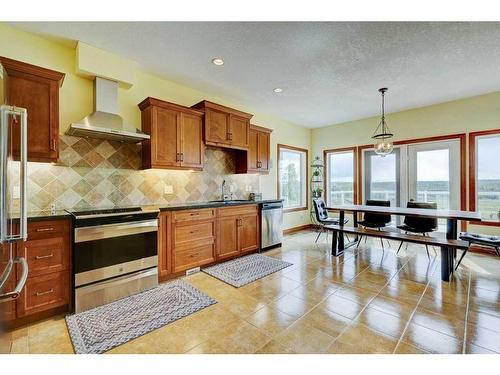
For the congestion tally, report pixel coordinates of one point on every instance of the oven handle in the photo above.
(99, 232)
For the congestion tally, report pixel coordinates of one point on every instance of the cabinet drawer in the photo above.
(191, 258)
(188, 215)
(250, 209)
(45, 255)
(44, 229)
(44, 292)
(194, 232)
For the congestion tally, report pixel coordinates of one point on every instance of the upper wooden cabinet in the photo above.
(256, 160)
(37, 90)
(176, 135)
(224, 126)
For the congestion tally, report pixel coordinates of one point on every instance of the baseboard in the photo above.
(296, 229)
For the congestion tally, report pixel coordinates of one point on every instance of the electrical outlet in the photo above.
(169, 189)
(192, 271)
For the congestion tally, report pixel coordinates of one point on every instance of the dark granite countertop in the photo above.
(212, 204)
(48, 215)
(61, 214)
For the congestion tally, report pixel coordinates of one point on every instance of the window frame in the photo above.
(473, 137)
(341, 150)
(305, 183)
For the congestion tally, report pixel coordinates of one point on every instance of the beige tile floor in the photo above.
(366, 301)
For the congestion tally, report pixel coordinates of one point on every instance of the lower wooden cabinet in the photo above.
(238, 230)
(47, 252)
(44, 292)
(198, 237)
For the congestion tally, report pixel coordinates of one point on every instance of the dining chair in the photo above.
(419, 225)
(322, 216)
(375, 220)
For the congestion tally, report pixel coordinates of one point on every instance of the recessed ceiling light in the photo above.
(218, 61)
(277, 90)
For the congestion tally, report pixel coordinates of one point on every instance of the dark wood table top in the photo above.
(421, 212)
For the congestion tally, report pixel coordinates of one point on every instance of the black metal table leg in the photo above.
(446, 263)
(335, 252)
(341, 247)
(448, 254)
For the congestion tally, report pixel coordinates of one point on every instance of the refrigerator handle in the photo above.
(23, 159)
(5, 112)
(9, 296)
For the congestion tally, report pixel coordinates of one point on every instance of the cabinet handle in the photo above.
(50, 229)
(194, 213)
(182, 156)
(44, 256)
(193, 255)
(44, 293)
(52, 145)
(193, 232)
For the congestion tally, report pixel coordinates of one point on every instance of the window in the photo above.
(292, 177)
(485, 175)
(340, 176)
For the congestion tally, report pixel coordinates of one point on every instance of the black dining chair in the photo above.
(322, 216)
(479, 239)
(375, 220)
(419, 225)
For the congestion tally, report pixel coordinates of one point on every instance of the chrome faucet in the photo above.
(223, 196)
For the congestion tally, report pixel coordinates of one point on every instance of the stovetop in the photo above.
(94, 217)
(104, 211)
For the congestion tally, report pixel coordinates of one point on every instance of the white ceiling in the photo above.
(329, 71)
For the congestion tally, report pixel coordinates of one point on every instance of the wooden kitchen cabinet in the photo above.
(257, 158)
(238, 230)
(193, 238)
(224, 126)
(48, 253)
(37, 90)
(176, 136)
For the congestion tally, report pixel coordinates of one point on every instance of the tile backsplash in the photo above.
(98, 173)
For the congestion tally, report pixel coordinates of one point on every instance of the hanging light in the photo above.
(382, 135)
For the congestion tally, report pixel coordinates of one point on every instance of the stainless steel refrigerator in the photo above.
(13, 205)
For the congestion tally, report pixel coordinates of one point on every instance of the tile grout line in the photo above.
(464, 344)
(414, 310)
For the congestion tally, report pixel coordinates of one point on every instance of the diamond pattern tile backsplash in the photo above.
(99, 173)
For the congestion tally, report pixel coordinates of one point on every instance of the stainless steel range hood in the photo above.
(104, 122)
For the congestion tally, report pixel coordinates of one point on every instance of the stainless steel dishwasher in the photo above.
(271, 229)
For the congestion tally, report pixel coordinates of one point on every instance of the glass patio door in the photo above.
(434, 174)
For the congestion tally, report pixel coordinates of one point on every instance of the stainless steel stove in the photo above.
(115, 254)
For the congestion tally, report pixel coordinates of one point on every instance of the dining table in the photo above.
(451, 216)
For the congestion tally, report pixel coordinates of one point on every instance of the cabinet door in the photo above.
(228, 237)
(264, 151)
(239, 131)
(7, 309)
(248, 233)
(253, 151)
(165, 138)
(216, 126)
(191, 141)
(44, 292)
(40, 96)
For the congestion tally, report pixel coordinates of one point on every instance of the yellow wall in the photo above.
(76, 99)
(459, 116)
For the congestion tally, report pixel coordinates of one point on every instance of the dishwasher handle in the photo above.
(272, 206)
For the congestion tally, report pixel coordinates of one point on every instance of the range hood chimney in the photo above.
(104, 122)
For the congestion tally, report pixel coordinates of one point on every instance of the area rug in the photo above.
(105, 327)
(244, 270)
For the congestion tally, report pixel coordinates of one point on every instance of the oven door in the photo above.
(105, 251)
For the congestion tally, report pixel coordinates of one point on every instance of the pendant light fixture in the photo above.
(382, 135)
